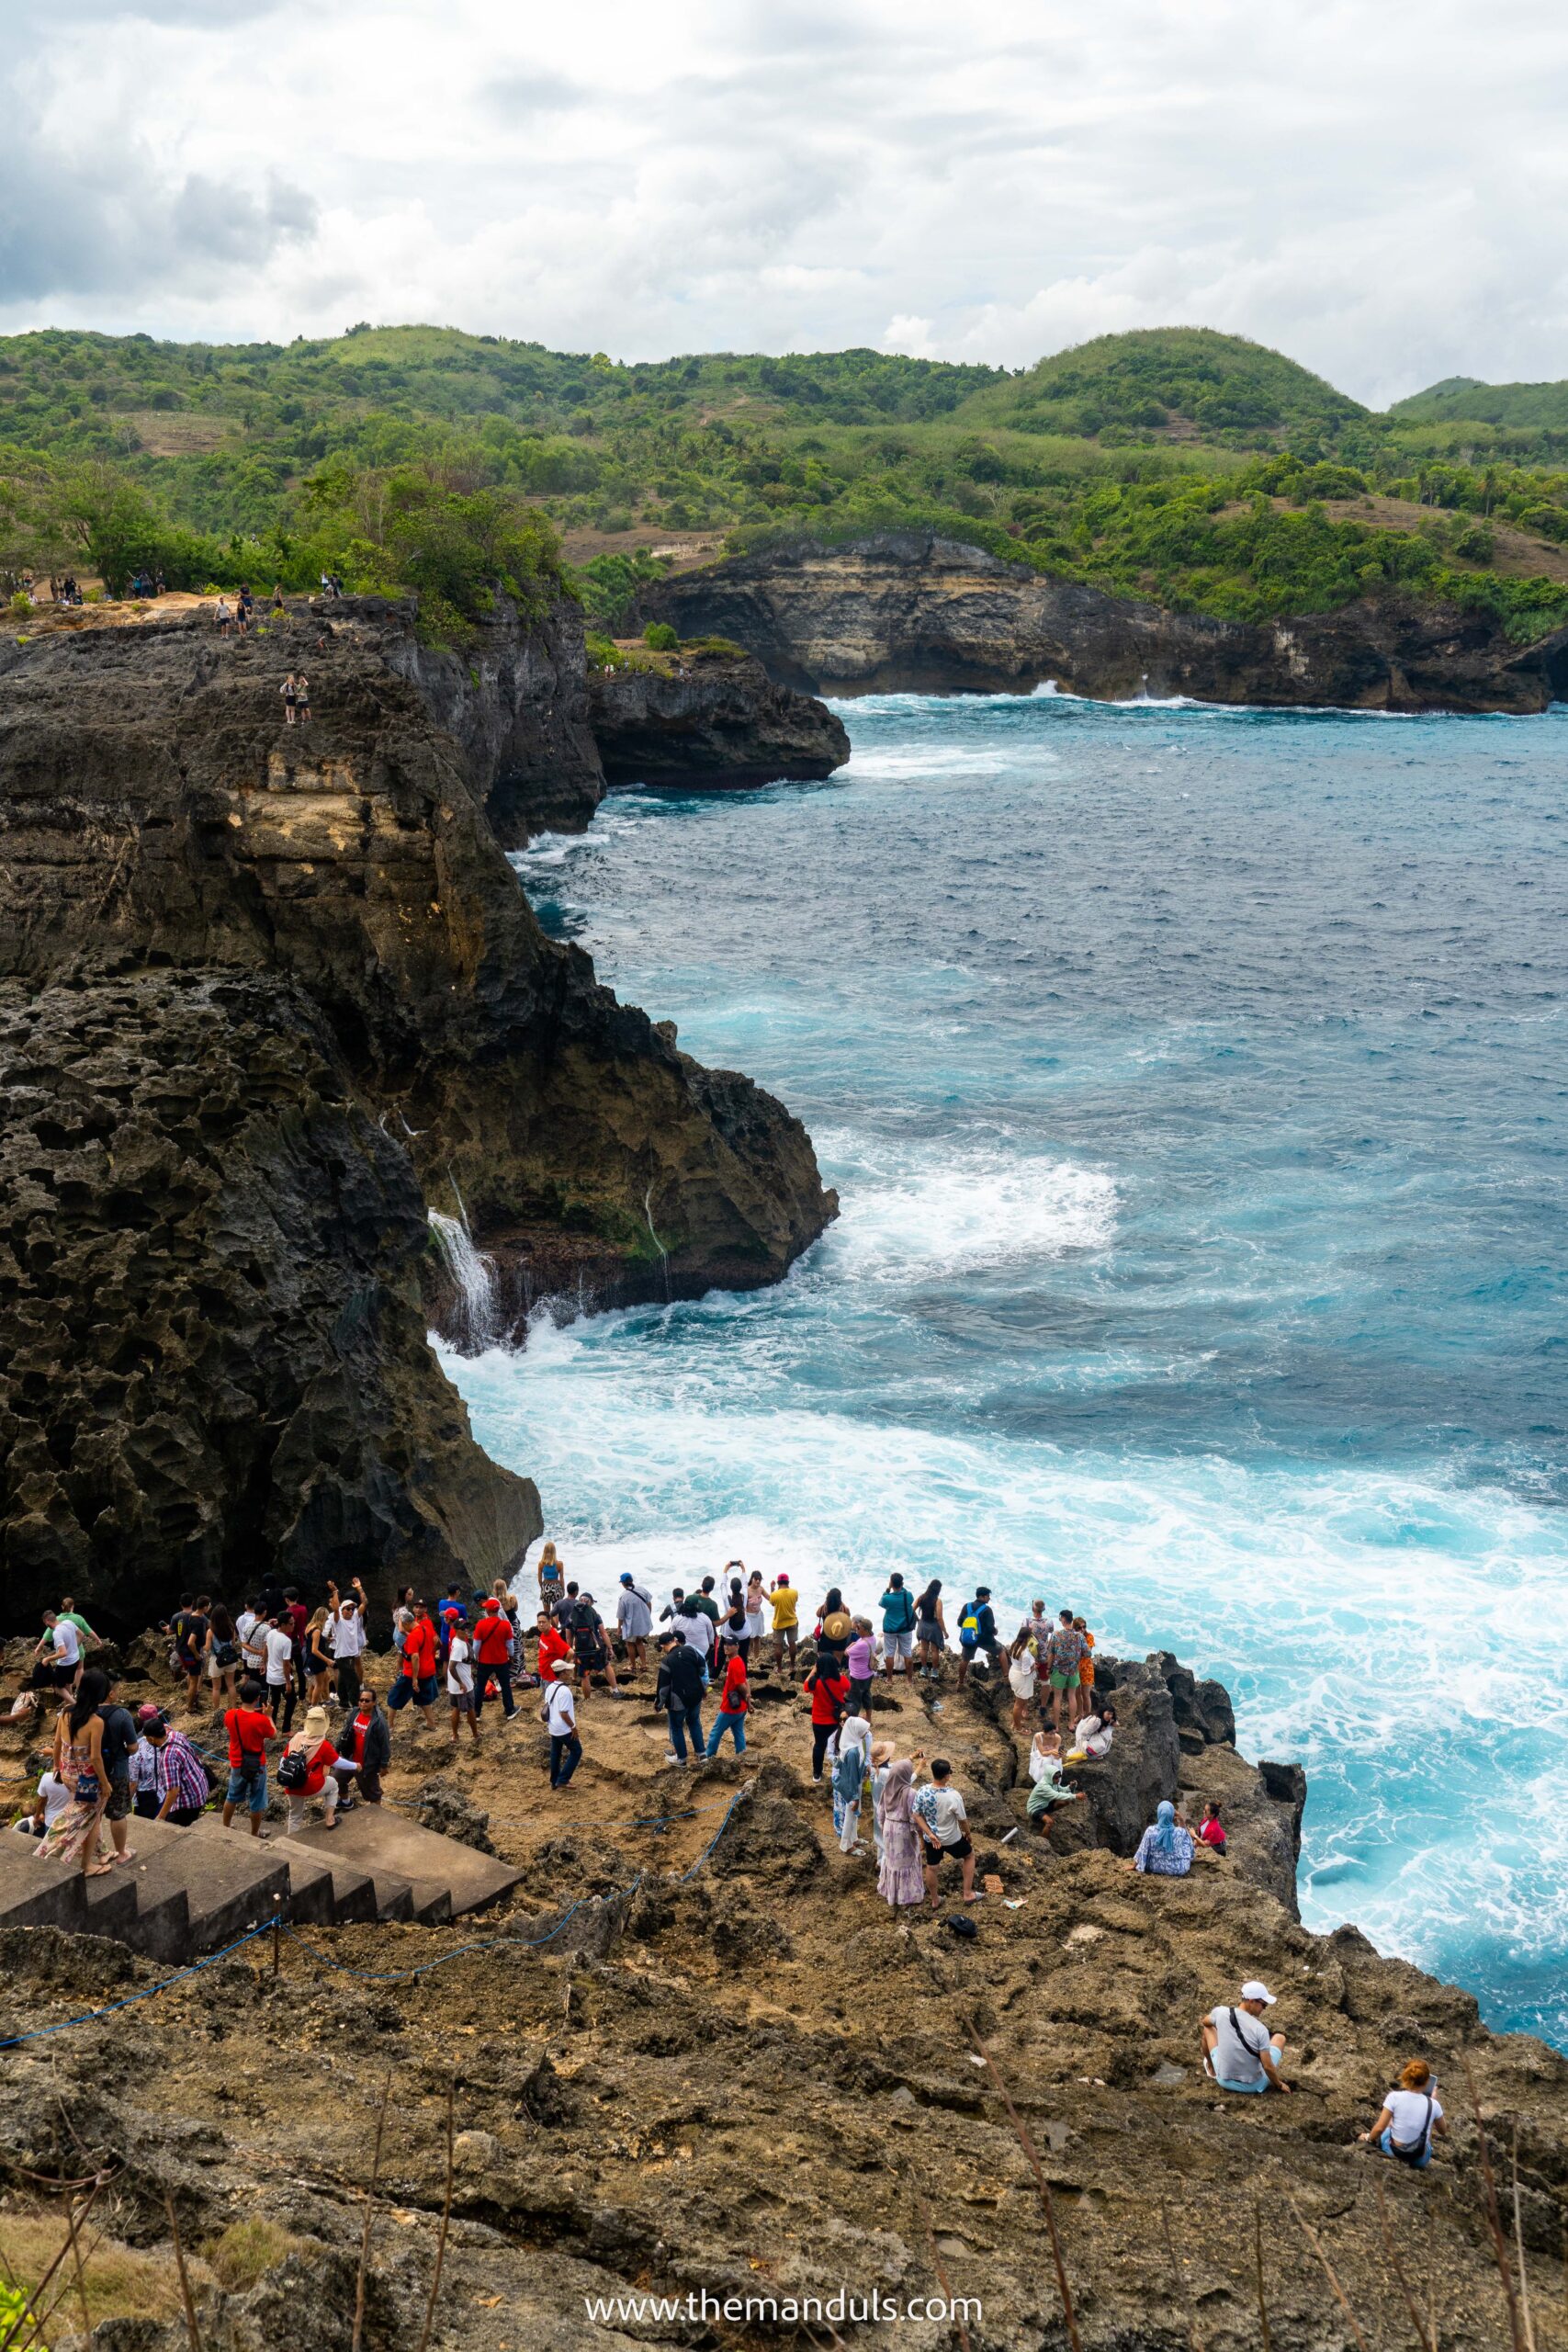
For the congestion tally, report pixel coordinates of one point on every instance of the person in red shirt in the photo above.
(553, 1646)
(733, 1702)
(249, 1728)
(829, 1688)
(417, 1679)
(492, 1648)
(314, 1745)
(1212, 1830)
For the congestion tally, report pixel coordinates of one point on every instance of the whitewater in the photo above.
(1194, 1085)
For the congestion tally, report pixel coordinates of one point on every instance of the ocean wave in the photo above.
(964, 1210)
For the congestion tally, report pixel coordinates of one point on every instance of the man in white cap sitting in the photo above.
(1239, 2051)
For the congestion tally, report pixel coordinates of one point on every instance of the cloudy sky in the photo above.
(1377, 187)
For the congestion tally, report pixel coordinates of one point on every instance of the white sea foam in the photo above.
(964, 1211)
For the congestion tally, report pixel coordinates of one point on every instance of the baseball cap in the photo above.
(626, 1576)
(1256, 1990)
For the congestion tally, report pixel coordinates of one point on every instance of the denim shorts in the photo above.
(246, 1789)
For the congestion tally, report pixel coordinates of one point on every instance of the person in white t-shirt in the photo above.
(349, 1639)
(942, 1825)
(54, 1796)
(1409, 2116)
(1239, 2051)
(275, 1639)
(558, 1716)
(63, 1644)
(248, 1628)
(460, 1684)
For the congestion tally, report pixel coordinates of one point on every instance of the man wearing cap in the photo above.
(492, 1646)
(633, 1621)
(1239, 2052)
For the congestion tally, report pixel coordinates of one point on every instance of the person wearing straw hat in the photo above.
(305, 1770)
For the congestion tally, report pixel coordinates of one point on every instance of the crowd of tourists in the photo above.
(255, 1672)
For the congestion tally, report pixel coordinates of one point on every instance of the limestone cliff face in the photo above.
(158, 818)
(709, 718)
(907, 612)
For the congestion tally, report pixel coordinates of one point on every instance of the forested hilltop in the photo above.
(1194, 469)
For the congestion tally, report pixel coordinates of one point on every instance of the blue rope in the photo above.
(88, 2016)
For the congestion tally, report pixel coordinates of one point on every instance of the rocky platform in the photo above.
(708, 717)
(729, 2070)
(266, 993)
(906, 612)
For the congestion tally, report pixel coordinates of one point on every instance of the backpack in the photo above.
(294, 1770)
(969, 1628)
(225, 1654)
(905, 1619)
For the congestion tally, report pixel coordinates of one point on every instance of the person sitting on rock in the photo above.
(1239, 2052)
(1045, 1772)
(1165, 1849)
(1210, 1829)
(1408, 2117)
(1092, 1739)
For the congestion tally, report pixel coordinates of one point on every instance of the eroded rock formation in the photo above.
(904, 611)
(710, 717)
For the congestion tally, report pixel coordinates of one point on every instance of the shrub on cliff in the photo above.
(661, 636)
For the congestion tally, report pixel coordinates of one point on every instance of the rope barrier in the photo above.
(376, 1975)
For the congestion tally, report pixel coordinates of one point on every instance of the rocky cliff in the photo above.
(158, 818)
(708, 717)
(907, 613)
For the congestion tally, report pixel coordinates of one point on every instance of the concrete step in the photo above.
(447, 1880)
(193, 1892)
(39, 1893)
(309, 1901)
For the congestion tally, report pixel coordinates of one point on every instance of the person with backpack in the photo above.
(976, 1632)
(305, 1770)
(898, 1627)
(828, 1687)
(493, 1650)
(1408, 2117)
(249, 1731)
(1239, 2051)
(678, 1694)
(221, 1659)
(633, 1621)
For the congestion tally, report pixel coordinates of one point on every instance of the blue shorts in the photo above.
(1419, 2163)
(1256, 2088)
(244, 1788)
(422, 1692)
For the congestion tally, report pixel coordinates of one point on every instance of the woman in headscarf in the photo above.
(899, 1881)
(1166, 1849)
(848, 1779)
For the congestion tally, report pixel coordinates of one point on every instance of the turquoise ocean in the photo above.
(1196, 1084)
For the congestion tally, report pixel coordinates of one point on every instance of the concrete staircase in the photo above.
(191, 1891)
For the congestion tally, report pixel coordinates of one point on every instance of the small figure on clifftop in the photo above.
(1165, 1849)
(784, 1602)
(931, 1630)
(944, 1826)
(633, 1621)
(559, 1714)
(678, 1694)
(898, 1626)
(417, 1680)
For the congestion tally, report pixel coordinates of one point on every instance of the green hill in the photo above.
(1464, 400)
(1181, 382)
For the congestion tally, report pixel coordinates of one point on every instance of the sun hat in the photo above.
(316, 1724)
(838, 1627)
(1256, 1990)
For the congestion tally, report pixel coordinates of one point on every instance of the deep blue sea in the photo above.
(1196, 1087)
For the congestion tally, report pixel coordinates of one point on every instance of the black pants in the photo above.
(820, 1735)
(566, 1754)
(348, 1681)
(182, 1815)
(504, 1678)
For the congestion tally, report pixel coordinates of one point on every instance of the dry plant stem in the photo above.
(1423, 2336)
(42, 2319)
(370, 2215)
(191, 2328)
(1339, 2295)
(942, 2278)
(1265, 2340)
(81, 2285)
(1182, 2297)
(1519, 2248)
(446, 2223)
(1494, 2220)
(1027, 2145)
(22, 2318)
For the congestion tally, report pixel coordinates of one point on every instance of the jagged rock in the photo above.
(708, 717)
(446, 1808)
(907, 612)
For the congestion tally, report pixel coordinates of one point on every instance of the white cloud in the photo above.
(1373, 185)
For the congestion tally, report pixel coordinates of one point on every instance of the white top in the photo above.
(57, 1796)
(1024, 1673)
(246, 1628)
(1412, 2122)
(945, 1813)
(280, 1651)
(459, 1671)
(348, 1635)
(634, 1613)
(1042, 1762)
(67, 1642)
(1093, 1736)
(560, 1710)
(697, 1628)
(1239, 2050)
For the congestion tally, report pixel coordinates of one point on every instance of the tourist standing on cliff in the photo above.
(417, 1680)
(277, 1645)
(460, 1686)
(558, 1716)
(977, 1631)
(678, 1694)
(493, 1652)
(1239, 2051)
(120, 1736)
(1064, 1660)
(79, 1766)
(828, 1688)
(734, 1699)
(756, 1612)
(175, 1783)
(552, 1580)
(302, 697)
(633, 1621)
(860, 1666)
(249, 1731)
(348, 1640)
(63, 1644)
(898, 1627)
(943, 1824)
(900, 1881)
(931, 1630)
(784, 1602)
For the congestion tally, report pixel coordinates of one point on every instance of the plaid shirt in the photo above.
(176, 1766)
